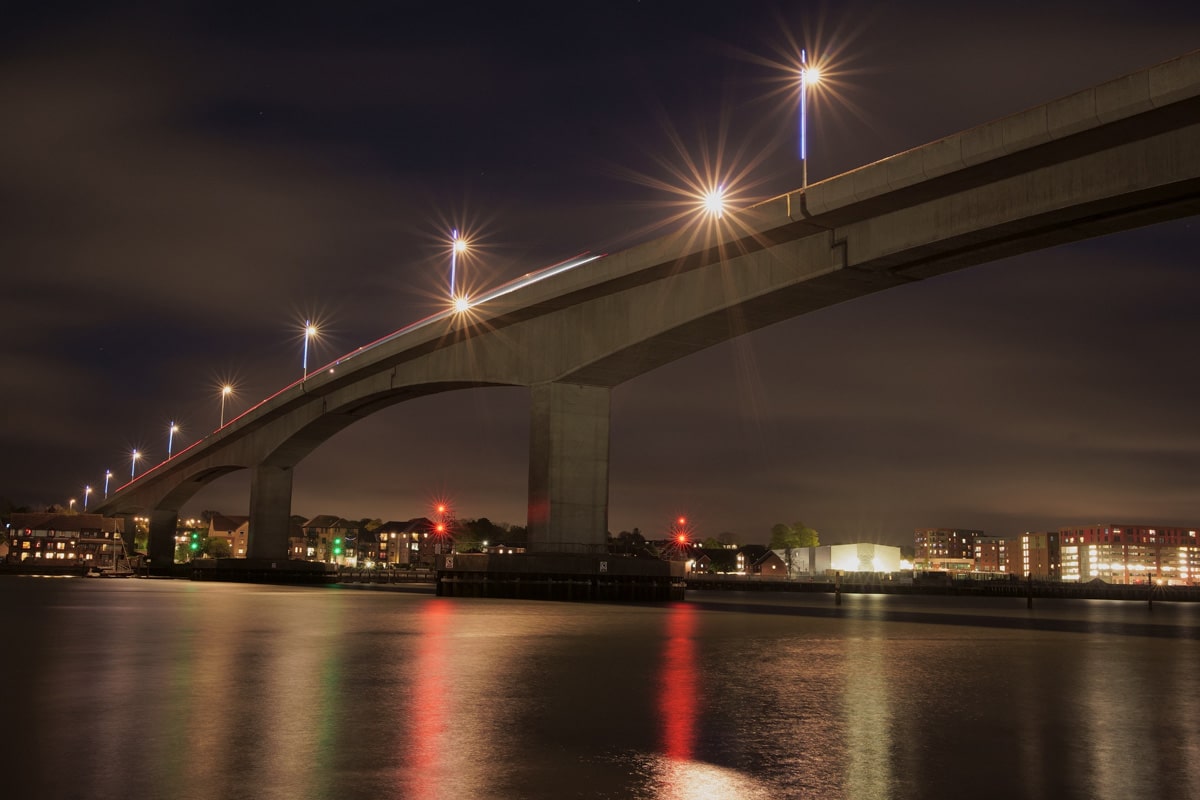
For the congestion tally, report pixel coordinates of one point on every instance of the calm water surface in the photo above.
(171, 689)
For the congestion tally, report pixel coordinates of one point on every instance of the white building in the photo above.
(859, 557)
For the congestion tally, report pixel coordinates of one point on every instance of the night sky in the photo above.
(181, 189)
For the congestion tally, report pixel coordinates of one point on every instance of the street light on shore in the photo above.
(133, 463)
(87, 490)
(226, 390)
(171, 438)
(71, 505)
(809, 76)
(107, 477)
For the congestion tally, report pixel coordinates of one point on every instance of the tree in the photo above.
(791, 537)
(218, 548)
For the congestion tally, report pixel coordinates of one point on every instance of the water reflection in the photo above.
(432, 704)
(678, 688)
(676, 775)
(866, 711)
(167, 689)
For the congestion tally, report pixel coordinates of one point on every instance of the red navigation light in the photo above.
(441, 509)
(683, 520)
(681, 538)
(441, 527)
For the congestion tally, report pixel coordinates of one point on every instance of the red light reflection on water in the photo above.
(429, 711)
(677, 685)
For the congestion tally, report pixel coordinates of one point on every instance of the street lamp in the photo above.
(171, 438)
(714, 202)
(107, 476)
(133, 463)
(457, 245)
(87, 490)
(71, 505)
(808, 75)
(227, 390)
(310, 331)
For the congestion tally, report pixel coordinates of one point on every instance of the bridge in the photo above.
(1122, 154)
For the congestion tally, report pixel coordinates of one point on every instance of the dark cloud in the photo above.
(183, 187)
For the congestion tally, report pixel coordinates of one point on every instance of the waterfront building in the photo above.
(770, 565)
(415, 542)
(991, 554)
(331, 539)
(63, 540)
(1036, 555)
(748, 557)
(824, 560)
(857, 557)
(234, 530)
(945, 548)
(1127, 554)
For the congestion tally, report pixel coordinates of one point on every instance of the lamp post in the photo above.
(226, 390)
(457, 245)
(107, 477)
(171, 438)
(71, 505)
(310, 331)
(808, 75)
(133, 463)
(87, 490)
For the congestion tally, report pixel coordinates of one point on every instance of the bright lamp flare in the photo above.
(310, 330)
(810, 75)
(461, 304)
(460, 245)
(714, 202)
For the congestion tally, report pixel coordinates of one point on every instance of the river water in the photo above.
(172, 689)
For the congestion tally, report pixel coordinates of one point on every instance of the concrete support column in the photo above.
(161, 547)
(270, 512)
(568, 468)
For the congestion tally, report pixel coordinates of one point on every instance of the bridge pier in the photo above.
(161, 546)
(270, 512)
(568, 469)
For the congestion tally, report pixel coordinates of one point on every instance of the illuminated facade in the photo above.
(1036, 555)
(945, 548)
(414, 542)
(1127, 554)
(232, 529)
(63, 540)
(991, 554)
(860, 557)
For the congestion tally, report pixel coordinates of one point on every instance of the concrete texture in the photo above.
(568, 468)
